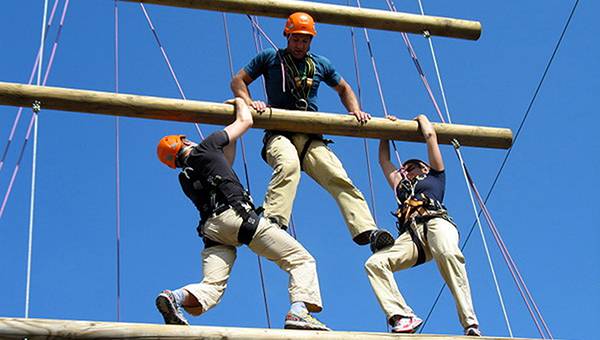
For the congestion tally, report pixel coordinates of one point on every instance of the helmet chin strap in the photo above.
(182, 156)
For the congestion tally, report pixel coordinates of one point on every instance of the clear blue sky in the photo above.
(544, 202)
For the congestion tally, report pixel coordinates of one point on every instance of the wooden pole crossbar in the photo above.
(17, 328)
(338, 15)
(136, 106)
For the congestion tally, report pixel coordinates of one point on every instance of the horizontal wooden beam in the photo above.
(338, 15)
(16, 328)
(129, 105)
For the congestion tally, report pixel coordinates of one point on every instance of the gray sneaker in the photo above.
(304, 321)
(171, 312)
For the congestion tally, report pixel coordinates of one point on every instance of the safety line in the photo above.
(246, 173)
(117, 167)
(33, 165)
(31, 76)
(32, 120)
(522, 287)
(166, 57)
(437, 70)
(379, 87)
(485, 246)
(231, 73)
(365, 142)
(521, 125)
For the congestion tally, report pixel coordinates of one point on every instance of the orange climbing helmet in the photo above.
(299, 23)
(168, 148)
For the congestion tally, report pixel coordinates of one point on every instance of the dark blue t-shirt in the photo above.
(433, 186)
(268, 64)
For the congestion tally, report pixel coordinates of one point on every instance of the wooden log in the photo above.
(129, 105)
(16, 328)
(338, 15)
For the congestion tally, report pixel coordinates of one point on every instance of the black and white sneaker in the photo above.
(380, 239)
(171, 312)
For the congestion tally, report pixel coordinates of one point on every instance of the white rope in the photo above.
(487, 252)
(437, 70)
(33, 164)
(462, 163)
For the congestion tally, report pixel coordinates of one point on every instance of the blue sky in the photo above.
(543, 204)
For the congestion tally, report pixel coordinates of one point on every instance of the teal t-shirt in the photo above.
(267, 63)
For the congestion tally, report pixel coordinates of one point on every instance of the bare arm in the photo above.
(389, 170)
(433, 149)
(239, 87)
(243, 121)
(348, 99)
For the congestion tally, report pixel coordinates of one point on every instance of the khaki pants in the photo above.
(269, 241)
(441, 244)
(325, 168)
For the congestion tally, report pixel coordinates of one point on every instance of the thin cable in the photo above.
(365, 142)
(379, 87)
(117, 168)
(519, 281)
(505, 160)
(231, 73)
(166, 57)
(31, 76)
(33, 166)
(246, 173)
(31, 121)
(485, 246)
(437, 70)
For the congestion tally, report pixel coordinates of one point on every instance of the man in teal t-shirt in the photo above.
(292, 77)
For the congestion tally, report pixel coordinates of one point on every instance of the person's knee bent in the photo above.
(376, 264)
(288, 169)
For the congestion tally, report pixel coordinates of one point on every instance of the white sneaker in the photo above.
(406, 324)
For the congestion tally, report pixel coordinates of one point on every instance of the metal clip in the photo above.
(426, 34)
(455, 143)
(36, 106)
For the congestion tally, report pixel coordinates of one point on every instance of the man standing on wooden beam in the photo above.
(228, 220)
(292, 77)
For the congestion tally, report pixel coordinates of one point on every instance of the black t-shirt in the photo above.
(432, 186)
(207, 161)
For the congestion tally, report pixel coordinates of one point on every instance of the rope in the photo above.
(436, 67)
(31, 122)
(488, 195)
(33, 164)
(166, 57)
(523, 290)
(417, 64)
(485, 246)
(33, 72)
(365, 142)
(378, 81)
(246, 173)
(117, 167)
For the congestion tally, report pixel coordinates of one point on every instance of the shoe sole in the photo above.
(303, 326)
(168, 311)
(382, 240)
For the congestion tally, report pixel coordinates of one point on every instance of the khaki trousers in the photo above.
(269, 241)
(322, 165)
(441, 244)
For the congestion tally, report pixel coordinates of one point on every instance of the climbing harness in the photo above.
(220, 199)
(299, 77)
